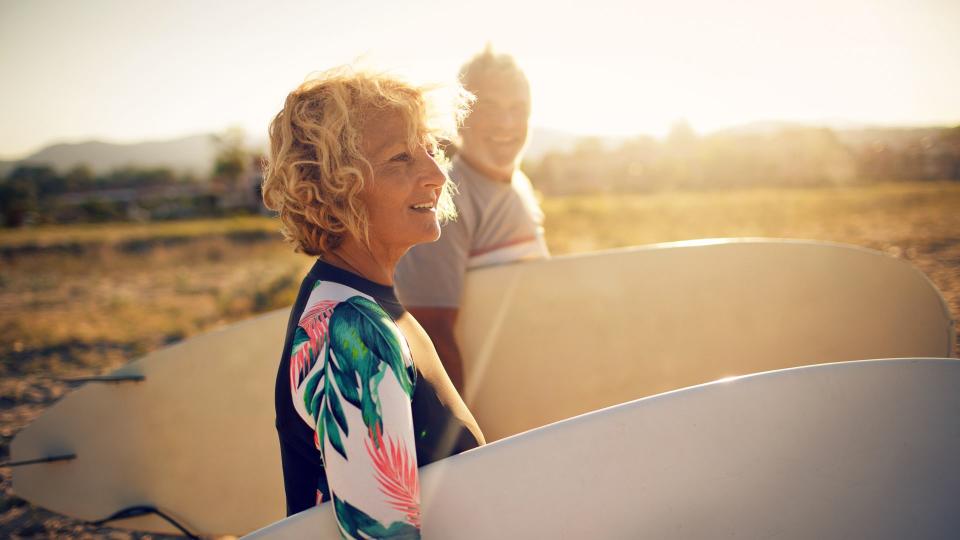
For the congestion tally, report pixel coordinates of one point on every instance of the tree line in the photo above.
(39, 194)
(786, 157)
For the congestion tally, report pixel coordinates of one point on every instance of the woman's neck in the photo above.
(372, 264)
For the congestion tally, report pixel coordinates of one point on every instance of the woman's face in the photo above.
(401, 201)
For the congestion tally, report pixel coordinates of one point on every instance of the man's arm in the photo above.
(438, 323)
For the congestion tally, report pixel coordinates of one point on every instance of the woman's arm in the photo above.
(439, 323)
(364, 424)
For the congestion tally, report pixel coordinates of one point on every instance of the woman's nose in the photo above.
(431, 174)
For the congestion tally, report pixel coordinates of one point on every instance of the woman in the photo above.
(361, 398)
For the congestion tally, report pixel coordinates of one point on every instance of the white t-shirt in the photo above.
(497, 222)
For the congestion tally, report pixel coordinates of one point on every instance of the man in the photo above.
(499, 219)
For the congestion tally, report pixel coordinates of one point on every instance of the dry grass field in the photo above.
(83, 300)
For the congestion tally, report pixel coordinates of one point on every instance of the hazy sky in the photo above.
(131, 70)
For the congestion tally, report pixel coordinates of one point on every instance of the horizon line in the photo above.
(836, 125)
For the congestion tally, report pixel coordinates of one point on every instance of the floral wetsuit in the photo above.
(354, 415)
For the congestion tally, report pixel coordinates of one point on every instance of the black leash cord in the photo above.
(48, 459)
(137, 511)
(126, 513)
(106, 379)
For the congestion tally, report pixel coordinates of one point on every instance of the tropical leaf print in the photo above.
(364, 342)
(355, 524)
(396, 472)
(324, 406)
(302, 353)
(309, 340)
(358, 342)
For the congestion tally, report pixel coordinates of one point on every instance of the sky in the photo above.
(126, 71)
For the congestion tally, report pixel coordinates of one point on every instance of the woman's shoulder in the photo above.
(324, 290)
(355, 316)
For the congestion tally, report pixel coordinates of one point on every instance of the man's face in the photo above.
(495, 132)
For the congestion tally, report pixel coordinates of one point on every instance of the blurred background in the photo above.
(131, 133)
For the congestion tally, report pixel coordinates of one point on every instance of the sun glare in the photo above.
(608, 68)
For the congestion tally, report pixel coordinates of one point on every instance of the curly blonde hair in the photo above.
(316, 171)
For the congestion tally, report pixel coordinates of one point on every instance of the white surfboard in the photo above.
(867, 449)
(196, 439)
(547, 340)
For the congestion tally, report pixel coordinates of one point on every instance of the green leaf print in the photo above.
(354, 521)
(326, 409)
(348, 390)
(333, 433)
(364, 342)
(300, 340)
(336, 409)
(361, 343)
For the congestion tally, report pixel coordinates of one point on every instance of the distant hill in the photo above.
(851, 134)
(897, 138)
(188, 154)
(193, 154)
(759, 128)
(543, 140)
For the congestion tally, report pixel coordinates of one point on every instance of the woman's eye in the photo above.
(401, 157)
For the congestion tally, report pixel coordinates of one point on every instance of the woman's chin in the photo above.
(433, 236)
(425, 237)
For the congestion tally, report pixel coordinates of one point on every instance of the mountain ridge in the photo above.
(194, 154)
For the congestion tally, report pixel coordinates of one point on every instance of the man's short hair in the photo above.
(488, 65)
